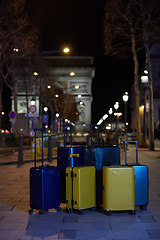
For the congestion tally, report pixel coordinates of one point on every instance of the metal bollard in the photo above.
(20, 153)
(40, 144)
(33, 150)
(49, 148)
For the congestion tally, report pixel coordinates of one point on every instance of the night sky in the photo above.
(79, 25)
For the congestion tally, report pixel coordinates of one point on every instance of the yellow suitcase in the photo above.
(118, 189)
(80, 188)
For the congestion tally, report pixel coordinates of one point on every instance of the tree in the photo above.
(17, 41)
(129, 27)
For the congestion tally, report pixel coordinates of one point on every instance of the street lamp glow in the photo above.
(125, 97)
(56, 95)
(81, 103)
(118, 114)
(110, 111)
(72, 74)
(144, 79)
(2, 113)
(57, 115)
(116, 105)
(35, 73)
(76, 87)
(45, 109)
(33, 101)
(79, 96)
(105, 116)
(49, 86)
(66, 50)
(146, 71)
(15, 49)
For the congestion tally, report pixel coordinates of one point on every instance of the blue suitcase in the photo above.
(63, 161)
(141, 180)
(44, 185)
(100, 156)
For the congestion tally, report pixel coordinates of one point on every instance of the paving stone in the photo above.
(154, 234)
(67, 234)
(147, 218)
(70, 219)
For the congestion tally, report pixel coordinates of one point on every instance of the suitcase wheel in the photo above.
(108, 213)
(30, 211)
(93, 209)
(132, 212)
(58, 209)
(81, 211)
(69, 210)
(143, 207)
(41, 212)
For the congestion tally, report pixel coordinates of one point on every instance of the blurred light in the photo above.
(118, 114)
(56, 95)
(6, 131)
(15, 49)
(142, 106)
(125, 97)
(49, 86)
(33, 101)
(146, 71)
(81, 103)
(45, 109)
(108, 127)
(66, 50)
(35, 73)
(79, 95)
(76, 87)
(110, 111)
(144, 79)
(66, 120)
(2, 113)
(127, 123)
(72, 74)
(57, 115)
(100, 121)
(49, 131)
(84, 125)
(2, 131)
(116, 105)
(46, 126)
(105, 116)
(21, 129)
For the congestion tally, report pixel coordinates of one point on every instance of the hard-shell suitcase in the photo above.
(44, 185)
(141, 179)
(100, 156)
(63, 160)
(80, 188)
(118, 189)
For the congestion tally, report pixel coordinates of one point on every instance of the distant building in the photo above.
(76, 73)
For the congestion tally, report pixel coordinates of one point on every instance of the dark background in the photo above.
(79, 26)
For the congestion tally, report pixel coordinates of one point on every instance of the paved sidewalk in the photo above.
(17, 224)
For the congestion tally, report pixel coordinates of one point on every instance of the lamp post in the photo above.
(116, 106)
(144, 81)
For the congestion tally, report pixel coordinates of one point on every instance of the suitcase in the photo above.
(63, 160)
(100, 156)
(118, 189)
(44, 185)
(141, 180)
(80, 188)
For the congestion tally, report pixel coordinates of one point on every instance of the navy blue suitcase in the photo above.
(141, 180)
(63, 161)
(100, 156)
(44, 185)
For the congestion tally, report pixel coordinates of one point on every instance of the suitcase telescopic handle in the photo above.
(97, 127)
(70, 138)
(71, 157)
(36, 130)
(136, 142)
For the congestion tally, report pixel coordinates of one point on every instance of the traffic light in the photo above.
(67, 128)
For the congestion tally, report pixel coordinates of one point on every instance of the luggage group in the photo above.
(88, 177)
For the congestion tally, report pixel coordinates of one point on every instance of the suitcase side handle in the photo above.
(70, 137)
(97, 127)
(136, 142)
(36, 130)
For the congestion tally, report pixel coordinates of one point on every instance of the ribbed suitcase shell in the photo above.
(44, 187)
(141, 179)
(83, 188)
(141, 185)
(118, 188)
(63, 161)
(99, 157)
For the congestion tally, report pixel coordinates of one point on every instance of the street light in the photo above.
(116, 106)
(33, 101)
(144, 81)
(125, 99)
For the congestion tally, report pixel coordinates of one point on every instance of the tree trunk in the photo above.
(15, 109)
(0, 117)
(136, 89)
